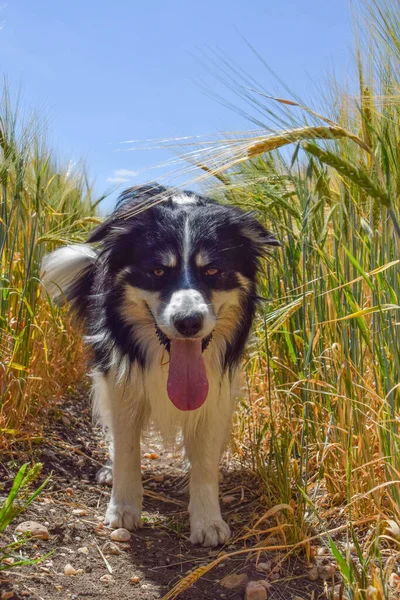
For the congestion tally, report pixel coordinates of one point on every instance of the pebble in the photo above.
(228, 499)
(134, 580)
(79, 512)
(110, 548)
(83, 550)
(313, 574)
(265, 584)
(34, 529)
(265, 567)
(69, 570)
(255, 591)
(107, 579)
(120, 535)
(151, 455)
(394, 580)
(327, 571)
(231, 582)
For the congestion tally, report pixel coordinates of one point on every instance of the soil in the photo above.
(158, 555)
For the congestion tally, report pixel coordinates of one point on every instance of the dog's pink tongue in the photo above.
(187, 378)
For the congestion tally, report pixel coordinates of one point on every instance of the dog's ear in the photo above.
(260, 238)
(131, 203)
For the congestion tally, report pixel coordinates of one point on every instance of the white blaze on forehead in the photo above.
(186, 244)
(184, 199)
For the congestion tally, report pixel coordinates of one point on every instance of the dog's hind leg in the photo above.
(104, 475)
(102, 415)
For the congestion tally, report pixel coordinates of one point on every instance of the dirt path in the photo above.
(159, 554)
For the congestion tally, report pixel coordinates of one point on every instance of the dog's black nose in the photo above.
(188, 325)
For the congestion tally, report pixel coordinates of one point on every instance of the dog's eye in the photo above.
(211, 271)
(158, 272)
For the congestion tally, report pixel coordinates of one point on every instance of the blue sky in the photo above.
(104, 72)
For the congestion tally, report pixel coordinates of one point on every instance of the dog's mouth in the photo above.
(166, 342)
(187, 385)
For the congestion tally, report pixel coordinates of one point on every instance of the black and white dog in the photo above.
(167, 296)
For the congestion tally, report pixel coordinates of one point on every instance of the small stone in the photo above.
(228, 499)
(313, 574)
(265, 567)
(79, 512)
(83, 550)
(266, 584)
(120, 535)
(33, 529)
(255, 591)
(231, 582)
(134, 580)
(110, 548)
(151, 455)
(326, 571)
(107, 579)
(7, 595)
(69, 570)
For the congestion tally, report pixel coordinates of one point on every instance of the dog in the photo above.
(166, 289)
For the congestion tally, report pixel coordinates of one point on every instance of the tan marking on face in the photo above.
(169, 260)
(202, 259)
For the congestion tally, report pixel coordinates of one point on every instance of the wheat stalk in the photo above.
(350, 170)
(322, 132)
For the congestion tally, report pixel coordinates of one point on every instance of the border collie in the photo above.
(166, 289)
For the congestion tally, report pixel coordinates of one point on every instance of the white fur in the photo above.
(61, 268)
(186, 302)
(183, 199)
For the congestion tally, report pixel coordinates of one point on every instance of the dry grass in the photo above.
(41, 205)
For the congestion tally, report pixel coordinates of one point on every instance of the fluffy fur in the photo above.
(163, 266)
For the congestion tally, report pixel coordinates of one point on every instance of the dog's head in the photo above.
(186, 264)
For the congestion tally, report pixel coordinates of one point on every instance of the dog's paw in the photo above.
(209, 533)
(104, 476)
(123, 515)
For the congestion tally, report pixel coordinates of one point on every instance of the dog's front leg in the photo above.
(125, 506)
(204, 450)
